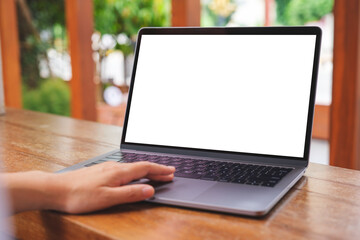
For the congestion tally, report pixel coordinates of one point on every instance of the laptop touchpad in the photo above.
(180, 188)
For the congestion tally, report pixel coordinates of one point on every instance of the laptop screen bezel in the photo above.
(230, 31)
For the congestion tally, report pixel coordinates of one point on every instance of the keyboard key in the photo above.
(239, 180)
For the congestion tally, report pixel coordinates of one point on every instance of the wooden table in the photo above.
(325, 204)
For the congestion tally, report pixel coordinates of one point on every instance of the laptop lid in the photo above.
(236, 91)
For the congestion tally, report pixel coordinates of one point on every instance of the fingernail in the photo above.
(172, 168)
(147, 191)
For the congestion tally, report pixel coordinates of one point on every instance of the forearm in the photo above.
(32, 190)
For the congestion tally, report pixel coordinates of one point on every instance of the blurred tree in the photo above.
(128, 16)
(217, 12)
(37, 22)
(300, 12)
(51, 96)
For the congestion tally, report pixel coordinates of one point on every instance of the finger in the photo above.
(128, 193)
(133, 171)
(161, 178)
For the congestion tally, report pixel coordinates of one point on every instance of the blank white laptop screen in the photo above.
(238, 93)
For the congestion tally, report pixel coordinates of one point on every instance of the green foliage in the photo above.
(52, 96)
(281, 6)
(300, 12)
(128, 16)
(208, 17)
(47, 13)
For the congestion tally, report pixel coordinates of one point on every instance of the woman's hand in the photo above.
(84, 190)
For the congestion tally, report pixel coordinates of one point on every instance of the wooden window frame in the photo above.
(80, 27)
(185, 13)
(345, 107)
(10, 54)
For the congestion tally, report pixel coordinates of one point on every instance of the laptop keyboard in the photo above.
(251, 174)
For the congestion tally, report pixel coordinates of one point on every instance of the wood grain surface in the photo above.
(325, 204)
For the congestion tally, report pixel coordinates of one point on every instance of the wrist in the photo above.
(34, 190)
(55, 192)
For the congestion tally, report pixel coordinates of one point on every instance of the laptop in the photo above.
(231, 108)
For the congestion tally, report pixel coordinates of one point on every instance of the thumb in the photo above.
(130, 193)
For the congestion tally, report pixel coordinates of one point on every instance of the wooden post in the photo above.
(79, 22)
(345, 108)
(185, 13)
(2, 99)
(10, 53)
(268, 8)
(321, 122)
